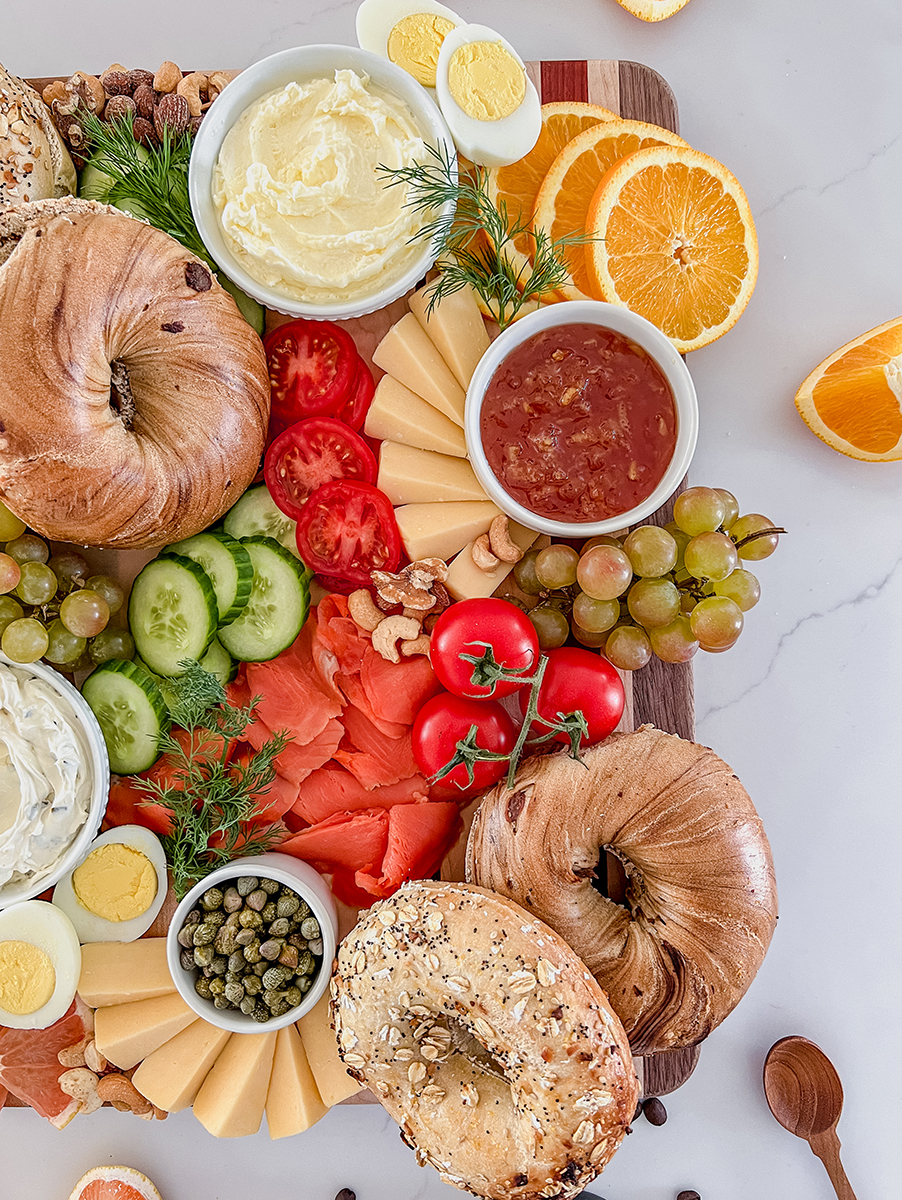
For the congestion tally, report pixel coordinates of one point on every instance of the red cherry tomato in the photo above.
(445, 720)
(311, 453)
(353, 411)
(578, 679)
(312, 366)
(348, 529)
(462, 628)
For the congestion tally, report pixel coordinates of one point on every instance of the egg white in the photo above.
(42, 925)
(377, 18)
(487, 143)
(89, 926)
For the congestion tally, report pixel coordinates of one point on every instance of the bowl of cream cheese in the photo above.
(54, 779)
(285, 183)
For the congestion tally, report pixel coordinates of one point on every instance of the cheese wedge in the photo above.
(441, 530)
(398, 415)
(231, 1099)
(407, 353)
(456, 329)
(466, 581)
(171, 1076)
(293, 1102)
(127, 1033)
(332, 1079)
(119, 972)
(411, 476)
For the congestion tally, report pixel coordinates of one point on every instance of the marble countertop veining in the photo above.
(803, 102)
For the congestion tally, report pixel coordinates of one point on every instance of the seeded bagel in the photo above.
(486, 1039)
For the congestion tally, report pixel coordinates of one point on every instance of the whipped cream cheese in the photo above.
(46, 776)
(302, 205)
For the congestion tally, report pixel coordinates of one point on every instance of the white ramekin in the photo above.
(630, 325)
(268, 75)
(302, 879)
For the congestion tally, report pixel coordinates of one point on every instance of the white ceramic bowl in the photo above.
(95, 750)
(630, 325)
(268, 75)
(302, 879)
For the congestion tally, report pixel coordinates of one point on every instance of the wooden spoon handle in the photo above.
(826, 1147)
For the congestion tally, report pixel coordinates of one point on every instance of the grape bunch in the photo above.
(52, 607)
(665, 591)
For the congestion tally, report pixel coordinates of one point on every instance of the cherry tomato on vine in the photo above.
(463, 628)
(444, 721)
(312, 368)
(311, 453)
(579, 680)
(348, 529)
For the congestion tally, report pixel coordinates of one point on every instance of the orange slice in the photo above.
(853, 400)
(114, 1183)
(674, 241)
(563, 200)
(652, 10)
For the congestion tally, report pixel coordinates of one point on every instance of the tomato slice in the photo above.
(348, 529)
(354, 411)
(312, 367)
(311, 453)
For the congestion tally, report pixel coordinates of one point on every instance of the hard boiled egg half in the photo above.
(40, 962)
(117, 889)
(407, 32)
(488, 101)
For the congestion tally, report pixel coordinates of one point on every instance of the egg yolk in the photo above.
(27, 978)
(414, 43)
(115, 882)
(486, 81)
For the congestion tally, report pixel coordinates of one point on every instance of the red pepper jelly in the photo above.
(578, 424)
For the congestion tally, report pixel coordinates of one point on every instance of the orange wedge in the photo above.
(562, 204)
(674, 241)
(853, 400)
(652, 10)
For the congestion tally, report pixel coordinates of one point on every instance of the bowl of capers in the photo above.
(250, 947)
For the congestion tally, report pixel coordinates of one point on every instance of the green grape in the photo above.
(525, 574)
(111, 591)
(63, 647)
(112, 643)
(10, 610)
(742, 587)
(652, 551)
(628, 648)
(594, 616)
(674, 643)
(37, 584)
(10, 525)
(604, 572)
(24, 640)
(698, 510)
(716, 622)
(731, 506)
(556, 566)
(28, 548)
(653, 602)
(10, 573)
(711, 556)
(551, 625)
(71, 569)
(592, 641)
(601, 539)
(761, 547)
(84, 613)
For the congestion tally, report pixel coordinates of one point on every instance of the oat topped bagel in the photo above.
(486, 1039)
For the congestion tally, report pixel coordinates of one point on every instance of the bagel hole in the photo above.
(122, 402)
(608, 876)
(463, 1042)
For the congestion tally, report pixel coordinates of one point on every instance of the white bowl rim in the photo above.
(620, 320)
(268, 865)
(100, 791)
(257, 80)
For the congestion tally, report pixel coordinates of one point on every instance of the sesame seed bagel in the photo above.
(486, 1039)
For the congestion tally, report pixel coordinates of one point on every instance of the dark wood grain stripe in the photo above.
(564, 79)
(646, 96)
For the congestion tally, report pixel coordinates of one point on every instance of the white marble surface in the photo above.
(803, 101)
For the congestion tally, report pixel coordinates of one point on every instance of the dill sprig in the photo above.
(473, 239)
(209, 798)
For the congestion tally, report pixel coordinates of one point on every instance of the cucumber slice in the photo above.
(219, 662)
(256, 513)
(130, 711)
(172, 612)
(280, 599)
(228, 565)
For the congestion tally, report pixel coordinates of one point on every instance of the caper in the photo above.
(304, 983)
(234, 993)
(186, 936)
(244, 937)
(280, 1008)
(261, 1013)
(237, 961)
(268, 911)
(316, 946)
(257, 900)
(208, 972)
(193, 917)
(270, 886)
(251, 919)
(310, 928)
(232, 921)
(275, 977)
(271, 998)
(253, 984)
(203, 955)
(211, 899)
(287, 904)
(247, 1005)
(295, 939)
(261, 967)
(217, 987)
(231, 900)
(220, 964)
(186, 958)
(271, 949)
(202, 987)
(303, 910)
(289, 957)
(281, 927)
(216, 918)
(252, 953)
(225, 943)
(306, 963)
(247, 884)
(204, 934)
(233, 977)
(294, 996)
(221, 1002)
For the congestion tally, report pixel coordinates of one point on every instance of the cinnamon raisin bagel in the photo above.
(486, 1039)
(134, 397)
(700, 907)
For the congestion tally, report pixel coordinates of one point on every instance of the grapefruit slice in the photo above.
(114, 1183)
(30, 1068)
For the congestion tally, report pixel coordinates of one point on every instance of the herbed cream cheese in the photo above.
(46, 776)
(302, 205)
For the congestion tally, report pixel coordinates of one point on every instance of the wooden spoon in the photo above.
(805, 1095)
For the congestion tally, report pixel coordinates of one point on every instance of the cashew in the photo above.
(363, 611)
(93, 1058)
(84, 90)
(82, 1085)
(167, 77)
(500, 541)
(418, 645)
(191, 86)
(482, 554)
(391, 630)
(55, 91)
(74, 1056)
(118, 1090)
